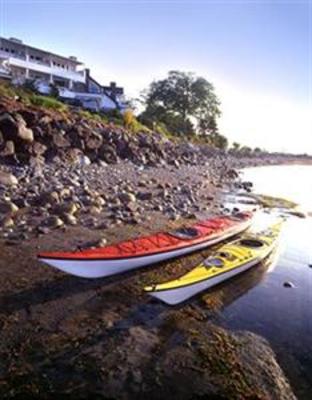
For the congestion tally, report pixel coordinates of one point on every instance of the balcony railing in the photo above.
(40, 62)
(6, 54)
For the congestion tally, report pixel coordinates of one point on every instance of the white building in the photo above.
(20, 62)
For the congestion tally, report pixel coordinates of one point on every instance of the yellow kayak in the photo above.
(231, 259)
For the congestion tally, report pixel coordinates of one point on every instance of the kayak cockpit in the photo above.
(251, 243)
(185, 233)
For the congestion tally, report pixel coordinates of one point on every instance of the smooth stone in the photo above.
(93, 210)
(127, 197)
(99, 201)
(102, 242)
(54, 222)
(69, 219)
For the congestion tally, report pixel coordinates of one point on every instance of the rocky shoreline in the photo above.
(71, 337)
(63, 335)
(100, 197)
(60, 169)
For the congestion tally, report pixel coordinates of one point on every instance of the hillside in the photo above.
(40, 129)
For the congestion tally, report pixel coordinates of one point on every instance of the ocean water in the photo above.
(283, 315)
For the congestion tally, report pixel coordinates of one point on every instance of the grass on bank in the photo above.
(28, 97)
(93, 116)
(47, 102)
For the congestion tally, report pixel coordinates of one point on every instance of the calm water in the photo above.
(283, 315)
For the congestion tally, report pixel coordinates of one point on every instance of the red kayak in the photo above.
(131, 254)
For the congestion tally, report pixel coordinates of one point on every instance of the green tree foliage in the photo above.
(184, 103)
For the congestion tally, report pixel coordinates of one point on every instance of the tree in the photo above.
(219, 141)
(245, 150)
(186, 104)
(236, 146)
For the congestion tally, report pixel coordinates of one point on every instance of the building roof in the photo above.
(108, 89)
(20, 43)
(105, 92)
(116, 89)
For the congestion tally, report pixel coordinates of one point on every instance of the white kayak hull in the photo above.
(100, 268)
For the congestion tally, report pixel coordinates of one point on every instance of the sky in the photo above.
(257, 54)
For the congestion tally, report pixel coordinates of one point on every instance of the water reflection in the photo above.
(228, 292)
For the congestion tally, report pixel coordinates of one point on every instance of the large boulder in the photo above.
(108, 154)
(8, 126)
(23, 132)
(60, 140)
(15, 128)
(93, 140)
